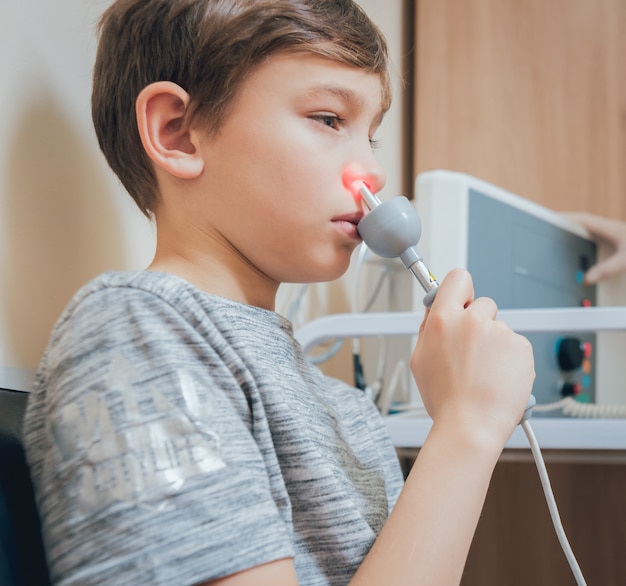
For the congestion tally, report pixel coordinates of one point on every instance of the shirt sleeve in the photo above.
(146, 468)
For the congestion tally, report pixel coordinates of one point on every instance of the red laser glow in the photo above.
(352, 178)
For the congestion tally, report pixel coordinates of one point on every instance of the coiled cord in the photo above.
(573, 408)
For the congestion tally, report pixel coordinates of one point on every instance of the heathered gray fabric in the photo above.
(176, 437)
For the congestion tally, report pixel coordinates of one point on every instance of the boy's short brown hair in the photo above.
(208, 47)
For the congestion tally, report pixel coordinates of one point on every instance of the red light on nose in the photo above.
(356, 186)
(352, 178)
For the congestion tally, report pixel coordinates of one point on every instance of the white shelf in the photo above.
(562, 433)
(398, 323)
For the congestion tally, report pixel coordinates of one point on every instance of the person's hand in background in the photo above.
(612, 232)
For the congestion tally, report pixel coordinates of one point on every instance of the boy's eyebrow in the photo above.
(346, 94)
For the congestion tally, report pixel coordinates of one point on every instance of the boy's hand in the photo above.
(472, 371)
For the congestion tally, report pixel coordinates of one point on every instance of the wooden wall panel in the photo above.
(527, 94)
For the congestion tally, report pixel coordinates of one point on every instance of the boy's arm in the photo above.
(475, 376)
(428, 535)
(278, 573)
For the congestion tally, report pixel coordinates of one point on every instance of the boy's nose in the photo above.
(371, 174)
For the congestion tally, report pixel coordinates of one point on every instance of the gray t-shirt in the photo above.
(176, 437)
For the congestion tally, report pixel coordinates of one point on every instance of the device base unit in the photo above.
(523, 256)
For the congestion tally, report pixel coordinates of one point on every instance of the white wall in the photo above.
(63, 216)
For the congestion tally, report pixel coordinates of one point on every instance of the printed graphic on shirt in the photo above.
(126, 444)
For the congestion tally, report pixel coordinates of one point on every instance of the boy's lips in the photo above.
(353, 218)
(348, 224)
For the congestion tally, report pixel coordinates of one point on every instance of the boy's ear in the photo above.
(160, 109)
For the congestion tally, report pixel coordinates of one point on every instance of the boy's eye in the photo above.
(333, 121)
(330, 120)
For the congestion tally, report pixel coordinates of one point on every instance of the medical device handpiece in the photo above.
(393, 229)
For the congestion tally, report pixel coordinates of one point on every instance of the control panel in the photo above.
(523, 256)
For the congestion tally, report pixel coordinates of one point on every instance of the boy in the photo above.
(176, 434)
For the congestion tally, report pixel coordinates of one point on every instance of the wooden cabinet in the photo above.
(516, 543)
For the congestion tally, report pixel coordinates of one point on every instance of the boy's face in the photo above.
(272, 187)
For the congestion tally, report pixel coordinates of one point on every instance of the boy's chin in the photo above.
(325, 273)
(337, 272)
